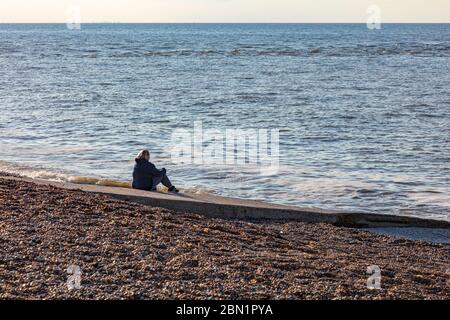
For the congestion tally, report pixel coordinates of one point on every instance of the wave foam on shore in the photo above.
(41, 173)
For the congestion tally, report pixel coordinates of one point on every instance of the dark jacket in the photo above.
(143, 174)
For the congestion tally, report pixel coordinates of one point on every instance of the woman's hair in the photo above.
(143, 154)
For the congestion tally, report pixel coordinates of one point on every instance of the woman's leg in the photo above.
(162, 179)
(166, 182)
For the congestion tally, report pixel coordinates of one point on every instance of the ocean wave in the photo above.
(359, 50)
(47, 174)
(26, 171)
(415, 49)
(30, 172)
(425, 50)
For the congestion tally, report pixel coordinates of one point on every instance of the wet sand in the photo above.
(136, 251)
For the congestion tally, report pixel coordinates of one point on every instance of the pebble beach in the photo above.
(130, 251)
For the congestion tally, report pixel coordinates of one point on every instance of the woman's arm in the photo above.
(153, 171)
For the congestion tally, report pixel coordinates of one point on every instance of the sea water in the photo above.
(363, 115)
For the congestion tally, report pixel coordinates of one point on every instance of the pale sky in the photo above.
(223, 10)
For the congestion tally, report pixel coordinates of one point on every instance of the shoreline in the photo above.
(216, 206)
(133, 251)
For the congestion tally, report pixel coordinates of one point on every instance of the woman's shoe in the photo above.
(173, 189)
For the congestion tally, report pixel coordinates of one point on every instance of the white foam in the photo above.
(431, 198)
(39, 173)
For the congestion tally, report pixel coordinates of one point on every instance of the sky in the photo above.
(222, 10)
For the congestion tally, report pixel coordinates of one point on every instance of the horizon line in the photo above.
(147, 22)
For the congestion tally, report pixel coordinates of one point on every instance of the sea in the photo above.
(362, 115)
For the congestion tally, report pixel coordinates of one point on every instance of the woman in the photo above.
(147, 177)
